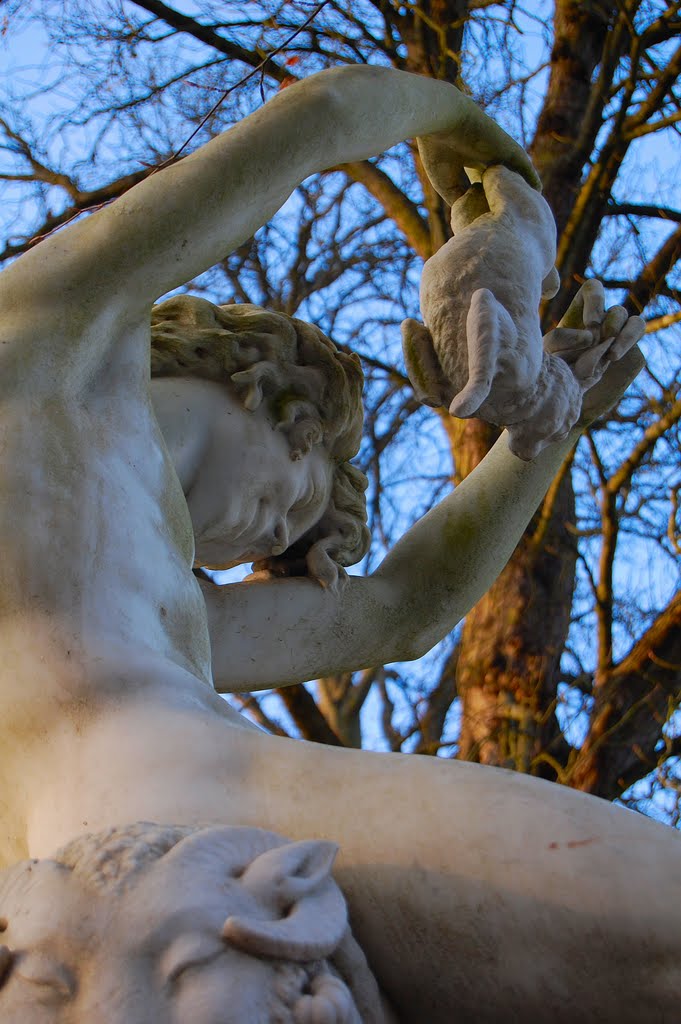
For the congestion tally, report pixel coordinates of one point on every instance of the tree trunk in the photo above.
(512, 641)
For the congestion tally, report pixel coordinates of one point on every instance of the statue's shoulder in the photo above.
(59, 334)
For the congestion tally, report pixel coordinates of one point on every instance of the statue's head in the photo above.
(310, 390)
(170, 925)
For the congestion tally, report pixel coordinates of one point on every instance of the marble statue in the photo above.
(264, 934)
(481, 351)
(474, 894)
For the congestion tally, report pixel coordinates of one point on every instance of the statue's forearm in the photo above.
(451, 556)
(374, 108)
(197, 212)
(427, 583)
(182, 220)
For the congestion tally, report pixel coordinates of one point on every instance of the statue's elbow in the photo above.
(413, 642)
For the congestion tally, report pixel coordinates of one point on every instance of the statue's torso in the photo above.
(98, 604)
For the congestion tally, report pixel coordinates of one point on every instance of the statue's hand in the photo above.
(477, 143)
(617, 377)
(599, 345)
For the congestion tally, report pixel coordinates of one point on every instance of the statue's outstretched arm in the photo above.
(182, 220)
(271, 633)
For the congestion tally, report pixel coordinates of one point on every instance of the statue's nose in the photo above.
(281, 537)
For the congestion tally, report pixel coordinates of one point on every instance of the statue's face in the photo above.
(247, 498)
(152, 956)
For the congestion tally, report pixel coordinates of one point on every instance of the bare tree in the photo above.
(570, 667)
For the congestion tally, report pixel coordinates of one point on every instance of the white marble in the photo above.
(480, 351)
(263, 934)
(475, 894)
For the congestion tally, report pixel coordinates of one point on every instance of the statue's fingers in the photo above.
(567, 342)
(632, 331)
(612, 386)
(517, 160)
(586, 368)
(443, 165)
(486, 143)
(593, 296)
(476, 142)
(469, 207)
(615, 319)
(573, 318)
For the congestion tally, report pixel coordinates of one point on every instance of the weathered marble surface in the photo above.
(481, 351)
(264, 937)
(475, 894)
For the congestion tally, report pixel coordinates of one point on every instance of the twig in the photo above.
(242, 81)
(175, 156)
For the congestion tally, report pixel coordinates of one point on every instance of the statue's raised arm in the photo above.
(476, 895)
(181, 221)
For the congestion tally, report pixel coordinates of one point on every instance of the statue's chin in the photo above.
(218, 565)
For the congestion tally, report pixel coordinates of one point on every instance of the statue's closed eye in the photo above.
(54, 978)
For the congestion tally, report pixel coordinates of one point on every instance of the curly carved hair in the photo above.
(312, 391)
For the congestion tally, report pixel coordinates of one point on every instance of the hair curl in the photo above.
(312, 391)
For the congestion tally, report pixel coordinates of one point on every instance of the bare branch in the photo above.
(184, 23)
(654, 274)
(622, 476)
(658, 323)
(396, 204)
(616, 209)
(301, 705)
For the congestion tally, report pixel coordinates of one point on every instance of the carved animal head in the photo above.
(213, 926)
